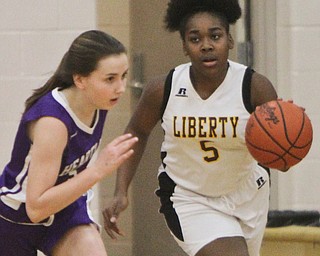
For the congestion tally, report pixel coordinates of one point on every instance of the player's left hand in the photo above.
(111, 215)
(284, 170)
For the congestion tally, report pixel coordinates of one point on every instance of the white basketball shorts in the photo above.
(195, 220)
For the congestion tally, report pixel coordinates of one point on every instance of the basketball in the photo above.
(278, 134)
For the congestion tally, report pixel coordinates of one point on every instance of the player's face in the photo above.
(207, 43)
(108, 82)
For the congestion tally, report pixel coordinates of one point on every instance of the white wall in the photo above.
(33, 38)
(298, 75)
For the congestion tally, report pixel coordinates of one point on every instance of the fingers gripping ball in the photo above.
(278, 134)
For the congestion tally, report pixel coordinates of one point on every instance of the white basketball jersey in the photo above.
(204, 147)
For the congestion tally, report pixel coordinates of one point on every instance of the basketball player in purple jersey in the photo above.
(45, 188)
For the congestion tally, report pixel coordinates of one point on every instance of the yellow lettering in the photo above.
(204, 127)
(212, 127)
(184, 127)
(234, 123)
(202, 132)
(192, 127)
(223, 121)
(175, 132)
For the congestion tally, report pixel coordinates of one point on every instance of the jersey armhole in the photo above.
(167, 90)
(246, 89)
(246, 96)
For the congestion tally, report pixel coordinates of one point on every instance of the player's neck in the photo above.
(79, 105)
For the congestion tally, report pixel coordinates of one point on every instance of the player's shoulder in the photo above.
(42, 107)
(154, 88)
(158, 86)
(236, 67)
(262, 89)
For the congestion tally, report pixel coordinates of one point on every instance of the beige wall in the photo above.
(35, 34)
(113, 17)
(298, 76)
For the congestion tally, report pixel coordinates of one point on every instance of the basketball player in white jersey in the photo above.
(214, 195)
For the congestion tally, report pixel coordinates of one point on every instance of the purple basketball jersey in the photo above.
(83, 142)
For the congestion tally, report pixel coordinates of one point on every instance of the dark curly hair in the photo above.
(179, 11)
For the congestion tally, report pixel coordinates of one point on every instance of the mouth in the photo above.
(114, 101)
(209, 61)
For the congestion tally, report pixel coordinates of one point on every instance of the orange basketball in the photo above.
(279, 134)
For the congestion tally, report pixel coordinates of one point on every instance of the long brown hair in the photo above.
(81, 58)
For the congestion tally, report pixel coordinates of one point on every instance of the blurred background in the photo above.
(279, 38)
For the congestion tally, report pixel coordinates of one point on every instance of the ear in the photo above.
(230, 42)
(79, 81)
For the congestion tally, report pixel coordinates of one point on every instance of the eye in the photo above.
(215, 37)
(194, 39)
(124, 76)
(110, 79)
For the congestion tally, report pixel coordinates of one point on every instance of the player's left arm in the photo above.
(262, 90)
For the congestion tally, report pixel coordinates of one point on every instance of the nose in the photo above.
(207, 45)
(122, 85)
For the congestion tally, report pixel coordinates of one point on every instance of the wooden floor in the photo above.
(291, 241)
(288, 241)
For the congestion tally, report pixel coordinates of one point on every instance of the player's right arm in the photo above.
(49, 137)
(145, 117)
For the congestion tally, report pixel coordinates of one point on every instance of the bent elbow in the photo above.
(35, 215)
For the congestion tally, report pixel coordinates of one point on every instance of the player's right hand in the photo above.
(113, 155)
(111, 215)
